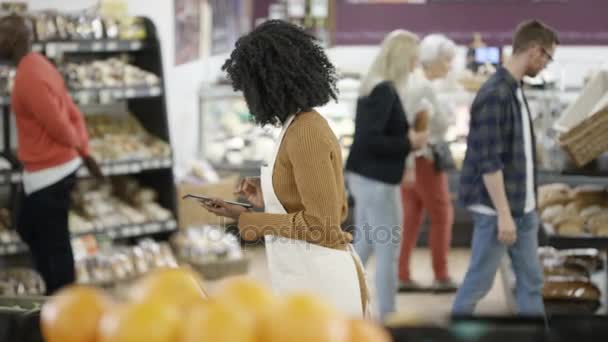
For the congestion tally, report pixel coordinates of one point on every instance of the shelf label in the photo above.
(105, 96)
(130, 93)
(16, 178)
(118, 93)
(134, 167)
(69, 47)
(166, 163)
(112, 46)
(171, 225)
(146, 164)
(97, 46)
(135, 45)
(51, 50)
(83, 96)
(155, 91)
(155, 164)
(120, 169)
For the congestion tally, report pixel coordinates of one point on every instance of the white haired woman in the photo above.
(425, 185)
(376, 161)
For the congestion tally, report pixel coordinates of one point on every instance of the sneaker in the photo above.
(410, 286)
(445, 286)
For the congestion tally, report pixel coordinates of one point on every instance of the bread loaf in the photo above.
(579, 288)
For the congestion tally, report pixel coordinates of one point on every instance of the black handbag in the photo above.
(442, 155)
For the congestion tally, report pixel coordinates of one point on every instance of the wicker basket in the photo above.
(587, 140)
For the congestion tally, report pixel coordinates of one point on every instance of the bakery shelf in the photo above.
(120, 232)
(581, 241)
(108, 169)
(54, 49)
(12, 248)
(151, 113)
(132, 230)
(130, 167)
(104, 95)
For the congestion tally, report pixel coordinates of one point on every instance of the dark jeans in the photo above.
(43, 225)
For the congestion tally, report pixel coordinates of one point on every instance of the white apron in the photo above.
(297, 265)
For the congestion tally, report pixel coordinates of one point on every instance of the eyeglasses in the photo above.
(549, 57)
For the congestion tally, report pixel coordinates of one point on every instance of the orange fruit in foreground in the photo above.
(150, 321)
(217, 322)
(73, 314)
(304, 318)
(366, 331)
(174, 286)
(246, 294)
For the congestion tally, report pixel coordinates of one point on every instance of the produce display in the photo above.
(568, 287)
(116, 138)
(111, 72)
(122, 202)
(116, 264)
(53, 26)
(172, 305)
(578, 211)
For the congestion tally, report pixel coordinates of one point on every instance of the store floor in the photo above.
(428, 306)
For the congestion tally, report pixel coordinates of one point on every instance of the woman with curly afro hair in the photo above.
(283, 74)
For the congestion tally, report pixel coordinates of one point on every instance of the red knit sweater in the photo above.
(51, 129)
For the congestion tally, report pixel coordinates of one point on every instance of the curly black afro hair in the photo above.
(281, 70)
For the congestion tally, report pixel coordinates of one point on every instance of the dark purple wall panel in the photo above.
(577, 21)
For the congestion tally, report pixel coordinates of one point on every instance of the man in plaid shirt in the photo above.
(498, 181)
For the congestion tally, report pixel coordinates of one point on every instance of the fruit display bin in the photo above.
(19, 318)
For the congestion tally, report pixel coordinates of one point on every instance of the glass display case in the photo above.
(229, 139)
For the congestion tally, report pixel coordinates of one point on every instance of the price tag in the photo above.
(130, 93)
(155, 91)
(166, 163)
(112, 46)
(156, 164)
(135, 45)
(146, 164)
(105, 96)
(82, 172)
(137, 230)
(118, 93)
(51, 50)
(148, 228)
(15, 177)
(83, 96)
(97, 46)
(69, 47)
(37, 47)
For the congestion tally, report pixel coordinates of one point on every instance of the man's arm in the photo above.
(488, 140)
(495, 185)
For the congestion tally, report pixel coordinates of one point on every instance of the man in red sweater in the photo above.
(52, 144)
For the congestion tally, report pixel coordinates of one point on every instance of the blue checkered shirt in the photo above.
(496, 142)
